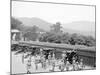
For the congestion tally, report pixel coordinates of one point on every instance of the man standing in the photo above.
(28, 67)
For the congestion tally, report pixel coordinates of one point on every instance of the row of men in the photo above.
(48, 58)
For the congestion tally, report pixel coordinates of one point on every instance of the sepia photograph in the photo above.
(52, 37)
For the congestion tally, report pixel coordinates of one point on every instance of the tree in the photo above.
(31, 36)
(46, 37)
(66, 38)
(90, 41)
(33, 29)
(15, 23)
(31, 33)
(56, 28)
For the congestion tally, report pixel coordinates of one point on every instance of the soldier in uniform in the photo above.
(67, 65)
(75, 64)
(28, 67)
(81, 65)
(53, 61)
(37, 60)
(49, 59)
(62, 66)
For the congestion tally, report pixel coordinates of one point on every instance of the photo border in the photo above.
(46, 3)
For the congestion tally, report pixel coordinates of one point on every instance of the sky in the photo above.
(53, 12)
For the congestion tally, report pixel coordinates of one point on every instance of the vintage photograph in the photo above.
(52, 37)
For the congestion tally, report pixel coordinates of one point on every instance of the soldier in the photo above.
(67, 65)
(62, 66)
(37, 60)
(41, 51)
(81, 65)
(28, 67)
(63, 54)
(53, 62)
(75, 64)
(49, 59)
(43, 61)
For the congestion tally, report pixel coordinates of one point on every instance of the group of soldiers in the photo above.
(68, 61)
(47, 58)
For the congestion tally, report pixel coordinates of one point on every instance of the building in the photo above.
(16, 35)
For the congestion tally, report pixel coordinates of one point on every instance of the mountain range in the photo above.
(86, 28)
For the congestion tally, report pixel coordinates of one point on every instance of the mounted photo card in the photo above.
(52, 37)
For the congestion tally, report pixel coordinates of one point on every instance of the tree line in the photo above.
(55, 35)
